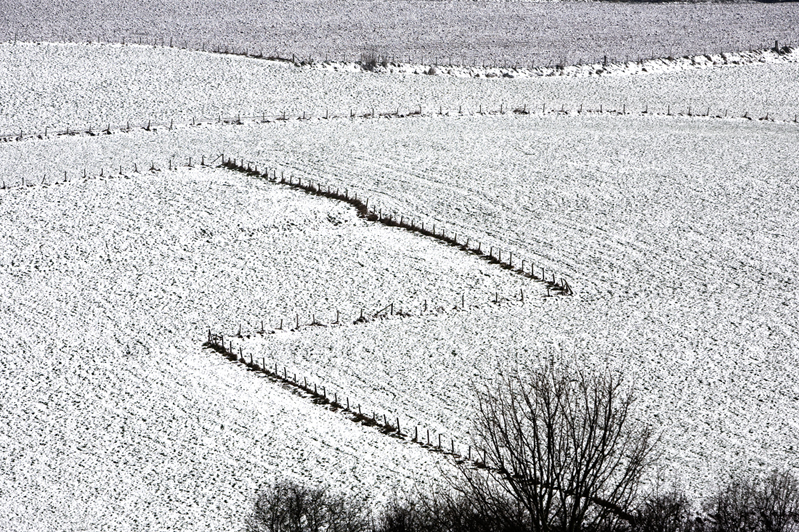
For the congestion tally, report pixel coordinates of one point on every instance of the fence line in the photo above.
(203, 162)
(553, 283)
(216, 341)
(367, 59)
(393, 310)
(394, 112)
(355, 412)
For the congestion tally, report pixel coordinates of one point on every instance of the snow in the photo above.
(677, 233)
(101, 85)
(113, 414)
(517, 33)
(606, 68)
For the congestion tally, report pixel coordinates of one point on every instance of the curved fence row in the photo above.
(543, 109)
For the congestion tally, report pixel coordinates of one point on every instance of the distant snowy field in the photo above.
(77, 86)
(678, 234)
(450, 30)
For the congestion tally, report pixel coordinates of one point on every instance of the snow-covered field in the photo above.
(113, 415)
(59, 86)
(678, 235)
(450, 30)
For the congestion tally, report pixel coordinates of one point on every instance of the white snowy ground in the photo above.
(483, 31)
(679, 235)
(113, 416)
(77, 86)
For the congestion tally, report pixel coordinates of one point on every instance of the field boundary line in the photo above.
(320, 395)
(343, 406)
(375, 62)
(555, 284)
(133, 168)
(543, 110)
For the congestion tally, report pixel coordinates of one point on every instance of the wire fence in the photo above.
(555, 284)
(320, 394)
(114, 171)
(338, 401)
(543, 109)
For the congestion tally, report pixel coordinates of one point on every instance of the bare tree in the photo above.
(766, 505)
(562, 447)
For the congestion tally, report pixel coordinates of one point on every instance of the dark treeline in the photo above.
(562, 452)
(766, 505)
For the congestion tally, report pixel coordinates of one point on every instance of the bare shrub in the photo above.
(732, 507)
(764, 505)
(562, 447)
(291, 507)
(369, 60)
(777, 502)
(404, 516)
(665, 512)
(439, 512)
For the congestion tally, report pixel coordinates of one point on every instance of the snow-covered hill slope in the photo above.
(77, 86)
(113, 416)
(679, 234)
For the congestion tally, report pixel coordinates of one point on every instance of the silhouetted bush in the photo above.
(448, 512)
(369, 60)
(291, 507)
(762, 505)
(665, 512)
